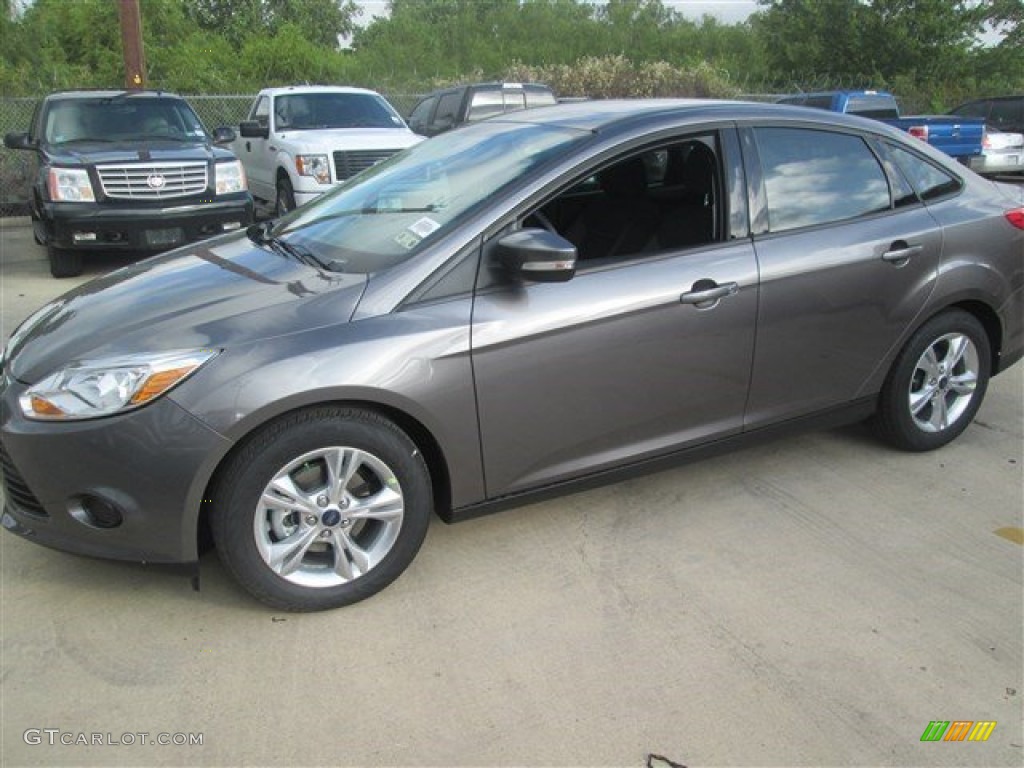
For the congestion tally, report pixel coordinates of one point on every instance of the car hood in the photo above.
(214, 294)
(101, 153)
(341, 139)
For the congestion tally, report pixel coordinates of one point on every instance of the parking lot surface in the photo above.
(818, 600)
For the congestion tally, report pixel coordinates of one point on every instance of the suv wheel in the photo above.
(64, 263)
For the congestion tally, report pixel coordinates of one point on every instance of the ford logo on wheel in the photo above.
(156, 181)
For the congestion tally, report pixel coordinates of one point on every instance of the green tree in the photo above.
(322, 22)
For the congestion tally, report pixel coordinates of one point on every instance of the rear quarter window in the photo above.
(930, 181)
(817, 177)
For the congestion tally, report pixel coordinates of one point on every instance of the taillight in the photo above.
(1016, 217)
(986, 142)
(919, 132)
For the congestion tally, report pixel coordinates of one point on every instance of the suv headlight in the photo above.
(93, 388)
(315, 166)
(229, 177)
(70, 185)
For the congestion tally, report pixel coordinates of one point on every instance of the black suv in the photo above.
(128, 170)
(1003, 112)
(448, 108)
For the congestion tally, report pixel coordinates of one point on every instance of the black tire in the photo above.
(64, 263)
(285, 201)
(245, 528)
(926, 403)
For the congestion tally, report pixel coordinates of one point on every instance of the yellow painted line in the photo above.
(1016, 535)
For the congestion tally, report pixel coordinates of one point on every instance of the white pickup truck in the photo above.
(301, 140)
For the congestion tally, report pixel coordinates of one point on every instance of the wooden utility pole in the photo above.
(131, 44)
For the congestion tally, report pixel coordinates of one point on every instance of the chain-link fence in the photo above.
(17, 168)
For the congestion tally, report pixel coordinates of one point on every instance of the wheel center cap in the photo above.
(330, 518)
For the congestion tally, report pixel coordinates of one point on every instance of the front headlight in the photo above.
(70, 185)
(315, 166)
(229, 177)
(93, 388)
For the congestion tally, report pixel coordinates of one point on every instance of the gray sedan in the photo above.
(521, 307)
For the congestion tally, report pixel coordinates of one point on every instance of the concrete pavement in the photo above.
(815, 601)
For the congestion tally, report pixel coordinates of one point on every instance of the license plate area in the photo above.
(163, 237)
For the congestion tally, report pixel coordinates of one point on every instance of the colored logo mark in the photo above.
(958, 730)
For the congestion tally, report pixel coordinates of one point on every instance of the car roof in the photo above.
(85, 93)
(316, 89)
(602, 115)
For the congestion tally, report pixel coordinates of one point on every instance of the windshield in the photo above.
(393, 210)
(313, 111)
(122, 118)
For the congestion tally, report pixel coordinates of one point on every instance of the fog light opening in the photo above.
(96, 512)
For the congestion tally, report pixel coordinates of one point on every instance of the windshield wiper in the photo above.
(260, 234)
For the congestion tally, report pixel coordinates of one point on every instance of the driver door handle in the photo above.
(900, 253)
(707, 293)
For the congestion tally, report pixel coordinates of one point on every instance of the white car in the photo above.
(1002, 152)
(299, 141)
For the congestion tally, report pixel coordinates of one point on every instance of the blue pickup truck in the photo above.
(959, 137)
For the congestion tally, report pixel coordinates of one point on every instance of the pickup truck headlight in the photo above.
(102, 387)
(315, 166)
(70, 185)
(229, 177)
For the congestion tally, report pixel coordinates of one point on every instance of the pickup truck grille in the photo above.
(348, 164)
(153, 181)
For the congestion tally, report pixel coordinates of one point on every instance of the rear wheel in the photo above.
(321, 509)
(64, 263)
(937, 383)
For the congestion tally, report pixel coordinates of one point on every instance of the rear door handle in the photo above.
(707, 293)
(900, 253)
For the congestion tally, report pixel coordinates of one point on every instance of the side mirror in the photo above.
(224, 135)
(18, 141)
(538, 255)
(253, 129)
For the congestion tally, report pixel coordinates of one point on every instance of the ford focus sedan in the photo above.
(527, 305)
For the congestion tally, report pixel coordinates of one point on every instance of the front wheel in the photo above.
(936, 384)
(322, 509)
(285, 201)
(64, 263)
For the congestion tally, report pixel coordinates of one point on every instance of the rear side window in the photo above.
(1008, 115)
(973, 109)
(818, 177)
(930, 181)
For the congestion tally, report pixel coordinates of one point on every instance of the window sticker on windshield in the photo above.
(424, 227)
(407, 239)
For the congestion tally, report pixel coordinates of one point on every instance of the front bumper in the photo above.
(151, 465)
(114, 226)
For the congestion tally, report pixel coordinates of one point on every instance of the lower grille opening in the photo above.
(16, 490)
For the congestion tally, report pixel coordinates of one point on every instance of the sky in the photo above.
(726, 11)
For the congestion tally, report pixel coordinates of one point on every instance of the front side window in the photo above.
(818, 177)
(421, 114)
(645, 204)
(261, 111)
